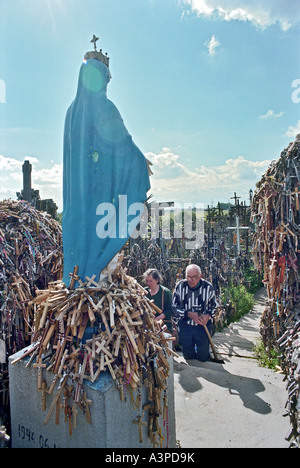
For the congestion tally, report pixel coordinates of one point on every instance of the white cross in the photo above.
(238, 229)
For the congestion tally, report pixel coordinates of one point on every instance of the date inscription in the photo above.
(25, 433)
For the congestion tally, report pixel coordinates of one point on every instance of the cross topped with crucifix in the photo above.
(94, 41)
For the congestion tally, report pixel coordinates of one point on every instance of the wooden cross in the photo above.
(87, 404)
(59, 405)
(297, 193)
(293, 262)
(235, 198)
(74, 275)
(39, 365)
(154, 440)
(281, 234)
(74, 413)
(44, 389)
(281, 264)
(69, 419)
(139, 422)
(56, 399)
(273, 273)
(161, 438)
(166, 407)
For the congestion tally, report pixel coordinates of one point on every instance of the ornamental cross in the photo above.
(94, 40)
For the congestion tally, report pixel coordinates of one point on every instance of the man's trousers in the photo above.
(194, 340)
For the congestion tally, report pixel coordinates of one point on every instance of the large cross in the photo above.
(238, 228)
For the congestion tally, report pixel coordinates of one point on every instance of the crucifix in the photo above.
(94, 41)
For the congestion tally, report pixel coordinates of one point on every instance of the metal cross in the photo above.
(94, 40)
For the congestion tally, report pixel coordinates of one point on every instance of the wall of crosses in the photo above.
(276, 252)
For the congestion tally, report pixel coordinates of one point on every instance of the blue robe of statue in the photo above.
(101, 163)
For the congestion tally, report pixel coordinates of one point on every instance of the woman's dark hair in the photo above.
(154, 273)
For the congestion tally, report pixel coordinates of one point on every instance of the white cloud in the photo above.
(262, 13)
(292, 132)
(271, 114)
(47, 181)
(174, 181)
(212, 45)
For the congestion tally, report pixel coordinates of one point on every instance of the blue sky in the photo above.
(205, 87)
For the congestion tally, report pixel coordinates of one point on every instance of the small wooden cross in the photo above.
(139, 422)
(40, 366)
(281, 234)
(74, 413)
(297, 193)
(161, 438)
(87, 404)
(44, 389)
(74, 276)
(58, 407)
(166, 407)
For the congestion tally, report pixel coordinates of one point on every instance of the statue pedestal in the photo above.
(112, 419)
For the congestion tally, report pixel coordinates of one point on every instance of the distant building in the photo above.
(33, 196)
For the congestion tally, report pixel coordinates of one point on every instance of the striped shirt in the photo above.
(201, 299)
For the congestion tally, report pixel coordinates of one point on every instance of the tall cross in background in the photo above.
(238, 228)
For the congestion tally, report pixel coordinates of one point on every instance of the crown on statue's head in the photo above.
(94, 54)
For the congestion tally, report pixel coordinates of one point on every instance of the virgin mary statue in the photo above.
(104, 173)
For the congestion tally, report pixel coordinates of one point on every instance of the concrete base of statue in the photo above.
(112, 419)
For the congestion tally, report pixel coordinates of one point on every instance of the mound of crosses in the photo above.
(130, 344)
(30, 256)
(276, 252)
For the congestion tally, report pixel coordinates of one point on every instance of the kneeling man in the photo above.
(194, 303)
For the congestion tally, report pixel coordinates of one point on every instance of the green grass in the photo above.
(266, 359)
(242, 301)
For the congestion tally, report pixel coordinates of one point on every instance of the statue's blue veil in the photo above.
(101, 166)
